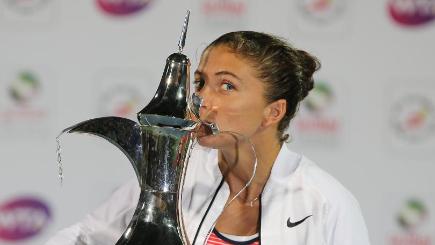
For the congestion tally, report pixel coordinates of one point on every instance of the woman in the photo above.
(245, 186)
(251, 84)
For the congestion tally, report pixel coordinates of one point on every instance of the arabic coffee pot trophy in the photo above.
(158, 148)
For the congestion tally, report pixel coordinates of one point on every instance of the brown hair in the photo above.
(287, 72)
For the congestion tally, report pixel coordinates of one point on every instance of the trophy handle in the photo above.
(121, 132)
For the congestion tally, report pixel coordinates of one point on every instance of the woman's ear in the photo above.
(274, 112)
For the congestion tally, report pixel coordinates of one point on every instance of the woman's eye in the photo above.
(199, 84)
(227, 86)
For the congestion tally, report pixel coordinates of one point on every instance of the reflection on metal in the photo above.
(158, 148)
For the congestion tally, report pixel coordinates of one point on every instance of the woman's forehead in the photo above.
(221, 57)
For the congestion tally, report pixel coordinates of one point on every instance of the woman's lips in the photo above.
(204, 129)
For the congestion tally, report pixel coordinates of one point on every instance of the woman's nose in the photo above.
(207, 104)
(204, 94)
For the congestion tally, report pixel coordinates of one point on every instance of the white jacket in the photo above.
(300, 205)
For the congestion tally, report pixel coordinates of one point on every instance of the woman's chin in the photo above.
(206, 140)
(218, 141)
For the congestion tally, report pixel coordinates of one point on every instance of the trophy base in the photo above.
(151, 234)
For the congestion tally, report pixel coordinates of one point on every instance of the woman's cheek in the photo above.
(229, 119)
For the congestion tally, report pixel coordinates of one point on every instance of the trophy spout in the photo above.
(121, 132)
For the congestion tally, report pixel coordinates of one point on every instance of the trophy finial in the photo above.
(182, 40)
(169, 105)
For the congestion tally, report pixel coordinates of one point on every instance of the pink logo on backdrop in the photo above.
(122, 7)
(211, 7)
(23, 218)
(412, 12)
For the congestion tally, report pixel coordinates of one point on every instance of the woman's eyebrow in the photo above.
(199, 73)
(228, 73)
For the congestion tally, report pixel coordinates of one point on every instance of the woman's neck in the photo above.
(237, 166)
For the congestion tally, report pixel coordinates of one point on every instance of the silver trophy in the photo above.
(158, 148)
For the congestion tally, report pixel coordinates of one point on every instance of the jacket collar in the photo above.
(285, 165)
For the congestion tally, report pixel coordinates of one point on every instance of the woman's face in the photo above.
(233, 97)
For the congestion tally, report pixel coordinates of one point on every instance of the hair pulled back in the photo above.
(286, 71)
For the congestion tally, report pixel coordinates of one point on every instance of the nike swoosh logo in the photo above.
(291, 224)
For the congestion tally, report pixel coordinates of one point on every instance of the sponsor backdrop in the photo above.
(370, 121)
